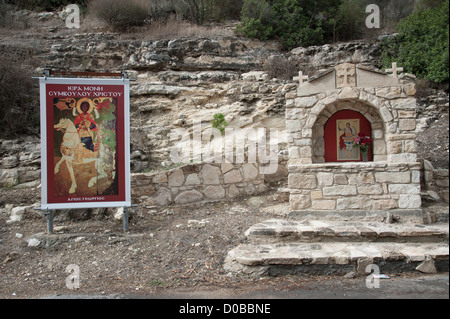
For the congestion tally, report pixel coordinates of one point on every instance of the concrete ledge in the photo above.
(280, 230)
(406, 215)
(334, 258)
(353, 166)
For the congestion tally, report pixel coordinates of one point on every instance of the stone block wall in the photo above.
(355, 186)
(436, 180)
(198, 182)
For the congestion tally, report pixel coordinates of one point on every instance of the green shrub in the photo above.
(428, 4)
(256, 20)
(307, 22)
(294, 22)
(349, 24)
(219, 122)
(422, 46)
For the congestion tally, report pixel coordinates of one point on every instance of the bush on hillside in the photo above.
(349, 24)
(201, 11)
(119, 14)
(227, 9)
(428, 4)
(422, 46)
(280, 67)
(294, 22)
(219, 122)
(195, 11)
(19, 107)
(122, 15)
(256, 20)
(47, 5)
(306, 22)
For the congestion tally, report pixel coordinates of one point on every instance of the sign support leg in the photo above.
(125, 219)
(49, 216)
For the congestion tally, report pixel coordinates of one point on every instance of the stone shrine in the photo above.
(327, 172)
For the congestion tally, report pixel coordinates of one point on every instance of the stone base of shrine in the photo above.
(395, 215)
(355, 189)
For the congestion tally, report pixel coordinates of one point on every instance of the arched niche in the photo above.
(340, 132)
(325, 131)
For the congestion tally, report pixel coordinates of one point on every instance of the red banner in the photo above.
(85, 143)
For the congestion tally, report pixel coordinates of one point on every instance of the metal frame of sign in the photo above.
(76, 179)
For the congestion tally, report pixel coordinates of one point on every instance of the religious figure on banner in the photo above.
(85, 124)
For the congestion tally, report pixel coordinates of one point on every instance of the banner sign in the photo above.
(85, 143)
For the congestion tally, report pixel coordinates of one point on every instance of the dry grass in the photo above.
(172, 27)
(280, 67)
(175, 28)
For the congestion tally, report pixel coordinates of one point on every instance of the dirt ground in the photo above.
(169, 252)
(170, 248)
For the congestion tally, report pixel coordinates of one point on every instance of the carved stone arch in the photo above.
(357, 95)
(370, 112)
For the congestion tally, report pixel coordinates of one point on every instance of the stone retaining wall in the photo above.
(198, 182)
(436, 180)
(355, 186)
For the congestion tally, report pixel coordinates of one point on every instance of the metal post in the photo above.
(49, 215)
(125, 219)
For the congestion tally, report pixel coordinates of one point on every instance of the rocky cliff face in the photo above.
(180, 80)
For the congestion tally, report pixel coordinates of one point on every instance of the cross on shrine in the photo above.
(394, 70)
(347, 73)
(300, 78)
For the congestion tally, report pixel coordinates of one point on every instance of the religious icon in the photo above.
(84, 145)
(347, 131)
(85, 123)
